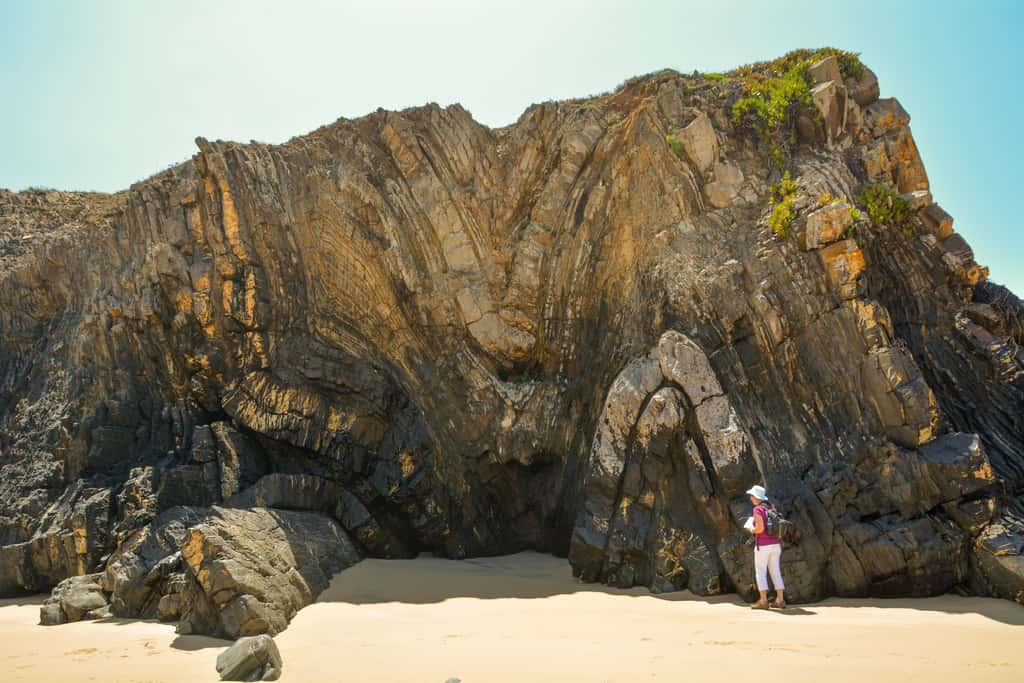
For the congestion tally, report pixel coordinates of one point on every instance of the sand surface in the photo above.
(524, 618)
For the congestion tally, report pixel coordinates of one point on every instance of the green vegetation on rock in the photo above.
(775, 91)
(885, 206)
(771, 99)
(675, 144)
(850, 65)
(782, 213)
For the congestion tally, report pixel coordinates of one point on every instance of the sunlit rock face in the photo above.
(578, 333)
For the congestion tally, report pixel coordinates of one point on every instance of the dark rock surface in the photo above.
(577, 334)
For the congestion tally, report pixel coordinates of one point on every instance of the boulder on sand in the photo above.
(74, 599)
(255, 658)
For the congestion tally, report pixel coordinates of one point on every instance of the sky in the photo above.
(98, 95)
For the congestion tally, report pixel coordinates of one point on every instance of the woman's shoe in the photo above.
(759, 605)
(779, 605)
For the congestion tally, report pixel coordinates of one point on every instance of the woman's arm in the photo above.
(758, 522)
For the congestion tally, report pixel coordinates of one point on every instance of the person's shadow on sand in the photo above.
(791, 611)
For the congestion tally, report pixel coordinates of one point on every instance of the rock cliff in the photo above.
(585, 333)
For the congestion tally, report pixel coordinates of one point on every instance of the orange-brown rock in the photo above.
(844, 262)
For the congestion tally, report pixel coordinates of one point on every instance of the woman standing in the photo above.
(767, 551)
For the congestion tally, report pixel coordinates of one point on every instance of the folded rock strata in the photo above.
(568, 334)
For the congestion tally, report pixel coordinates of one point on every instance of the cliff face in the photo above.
(586, 333)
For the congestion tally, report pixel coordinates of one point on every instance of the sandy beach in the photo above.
(524, 617)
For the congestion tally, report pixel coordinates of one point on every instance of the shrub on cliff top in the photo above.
(772, 99)
(776, 90)
(850, 65)
(771, 106)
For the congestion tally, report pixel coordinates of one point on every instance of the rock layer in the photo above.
(577, 334)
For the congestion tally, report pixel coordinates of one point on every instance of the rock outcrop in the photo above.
(218, 571)
(74, 599)
(585, 333)
(257, 568)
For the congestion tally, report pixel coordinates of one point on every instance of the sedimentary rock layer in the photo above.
(578, 333)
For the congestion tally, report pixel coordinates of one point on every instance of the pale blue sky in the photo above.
(97, 95)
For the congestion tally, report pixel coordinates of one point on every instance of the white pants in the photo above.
(766, 559)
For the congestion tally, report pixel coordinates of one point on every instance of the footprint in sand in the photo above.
(150, 647)
(83, 651)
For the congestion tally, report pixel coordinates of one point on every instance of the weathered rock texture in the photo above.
(254, 658)
(562, 335)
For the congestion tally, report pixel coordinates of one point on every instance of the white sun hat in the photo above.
(758, 492)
